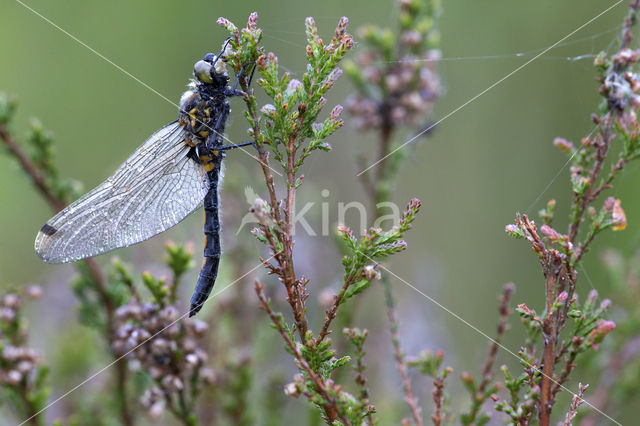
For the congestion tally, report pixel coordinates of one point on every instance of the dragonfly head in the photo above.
(211, 69)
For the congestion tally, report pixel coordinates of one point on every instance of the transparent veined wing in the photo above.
(153, 190)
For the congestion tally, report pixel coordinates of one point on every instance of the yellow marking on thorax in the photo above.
(192, 116)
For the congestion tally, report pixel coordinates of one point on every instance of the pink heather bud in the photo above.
(291, 389)
(412, 100)
(293, 86)
(632, 80)
(593, 295)
(223, 22)
(414, 205)
(604, 328)
(13, 377)
(511, 228)
(192, 359)
(562, 297)
(466, 377)
(208, 375)
(605, 304)
(551, 233)
(169, 314)
(156, 410)
(34, 291)
(626, 56)
(268, 109)
(24, 366)
(575, 172)
(11, 300)
(252, 23)
(199, 328)
(7, 314)
(341, 29)
(335, 112)
(412, 37)
(525, 308)
(393, 83)
(563, 145)
(335, 75)
(345, 230)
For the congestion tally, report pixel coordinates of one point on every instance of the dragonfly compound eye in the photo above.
(209, 57)
(202, 71)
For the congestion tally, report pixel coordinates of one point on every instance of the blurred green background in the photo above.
(483, 164)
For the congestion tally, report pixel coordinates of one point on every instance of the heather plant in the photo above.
(552, 349)
(23, 374)
(290, 130)
(617, 360)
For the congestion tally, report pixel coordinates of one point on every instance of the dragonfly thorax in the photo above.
(203, 113)
(203, 108)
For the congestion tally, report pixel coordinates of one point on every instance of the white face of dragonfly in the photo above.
(203, 68)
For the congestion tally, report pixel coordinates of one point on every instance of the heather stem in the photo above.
(401, 365)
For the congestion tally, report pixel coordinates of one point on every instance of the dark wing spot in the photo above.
(48, 229)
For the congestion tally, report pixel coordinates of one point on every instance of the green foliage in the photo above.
(8, 107)
(429, 364)
(375, 246)
(179, 259)
(39, 154)
(90, 312)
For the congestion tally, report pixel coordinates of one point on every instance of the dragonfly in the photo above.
(174, 172)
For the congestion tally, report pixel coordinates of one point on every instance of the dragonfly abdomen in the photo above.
(212, 251)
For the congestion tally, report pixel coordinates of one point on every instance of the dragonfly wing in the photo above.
(156, 188)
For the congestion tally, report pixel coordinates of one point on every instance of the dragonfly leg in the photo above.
(241, 74)
(238, 145)
(224, 47)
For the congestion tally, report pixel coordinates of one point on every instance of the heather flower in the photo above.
(155, 338)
